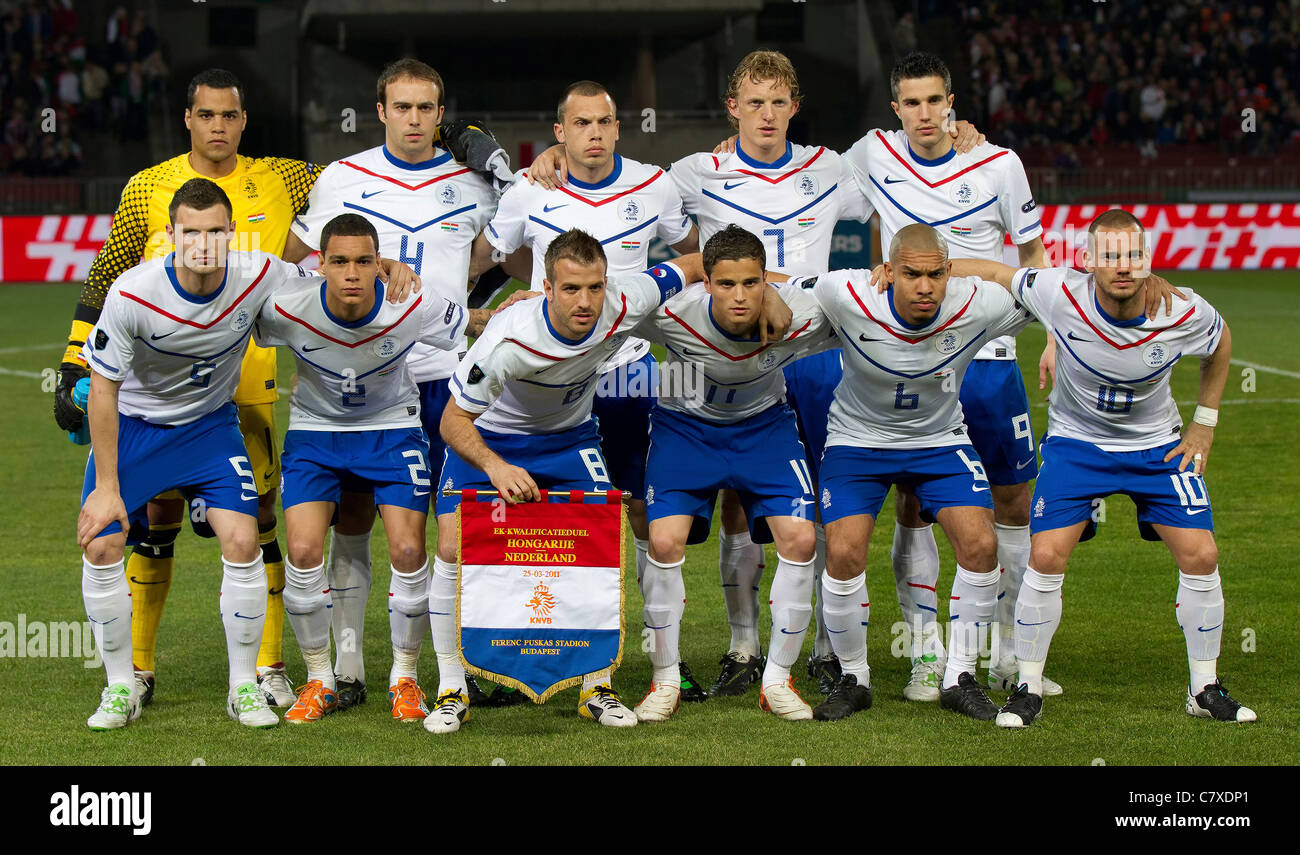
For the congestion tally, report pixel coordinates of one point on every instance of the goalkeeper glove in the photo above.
(67, 414)
(473, 145)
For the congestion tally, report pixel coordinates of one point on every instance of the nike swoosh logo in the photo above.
(805, 501)
(1209, 629)
(796, 632)
(1192, 513)
(306, 349)
(334, 590)
(978, 489)
(142, 582)
(101, 622)
(273, 591)
(727, 185)
(864, 338)
(1026, 463)
(894, 180)
(1072, 337)
(1039, 623)
(266, 476)
(155, 336)
(836, 631)
(546, 209)
(368, 195)
(686, 352)
(421, 492)
(250, 617)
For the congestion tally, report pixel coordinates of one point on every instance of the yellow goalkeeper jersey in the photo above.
(265, 192)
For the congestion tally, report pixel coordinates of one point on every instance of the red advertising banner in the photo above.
(57, 248)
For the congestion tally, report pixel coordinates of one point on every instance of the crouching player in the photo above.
(165, 358)
(1113, 427)
(520, 420)
(722, 422)
(354, 424)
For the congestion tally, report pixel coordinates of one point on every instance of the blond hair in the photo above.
(762, 66)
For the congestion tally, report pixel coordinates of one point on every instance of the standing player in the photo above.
(623, 204)
(355, 421)
(896, 419)
(915, 175)
(731, 430)
(1113, 427)
(428, 210)
(265, 192)
(165, 354)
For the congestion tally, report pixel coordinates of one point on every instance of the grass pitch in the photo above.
(1119, 652)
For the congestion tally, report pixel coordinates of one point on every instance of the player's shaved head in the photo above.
(918, 65)
(582, 89)
(199, 194)
(763, 66)
(733, 244)
(348, 225)
(919, 238)
(413, 69)
(1116, 219)
(213, 78)
(575, 245)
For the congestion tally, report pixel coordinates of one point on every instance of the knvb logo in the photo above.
(74, 808)
(541, 603)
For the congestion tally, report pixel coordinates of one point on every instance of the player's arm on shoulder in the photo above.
(986, 269)
(400, 279)
(104, 504)
(549, 169)
(690, 243)
(294, 248)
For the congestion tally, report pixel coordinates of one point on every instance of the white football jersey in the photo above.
(1112, 377)
(427, 215)
(629, 207)
(178, 355)
(901, 383)
(710, 374)
(352, 374)
(973, 199)
(791, 204)
(526, 379)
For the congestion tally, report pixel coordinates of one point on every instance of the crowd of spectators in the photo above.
(1055, 78)
(93, 85)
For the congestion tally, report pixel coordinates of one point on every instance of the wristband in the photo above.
(1205, 416)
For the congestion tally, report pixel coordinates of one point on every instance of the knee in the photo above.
(666, 549)
(844, 560)
(304, 552)
(103, 551)
(1201, 560)
(979, 552)
(407, 554)
(1047, 560)
(447, 538)
(802, 546)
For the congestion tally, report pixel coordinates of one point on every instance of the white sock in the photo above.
(107, 598)
(243, 612)
(740, 564)
(442, 622)
(791, 607)
(642, 550)
(1200, 615)
(847, 613)
(348, 572)
(915, 558)
(821, 639)
(598, 678)
(307, 603)
(1038, 614)
(1013, 557)
(974, 597)
(665, 602)
(408, 619)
